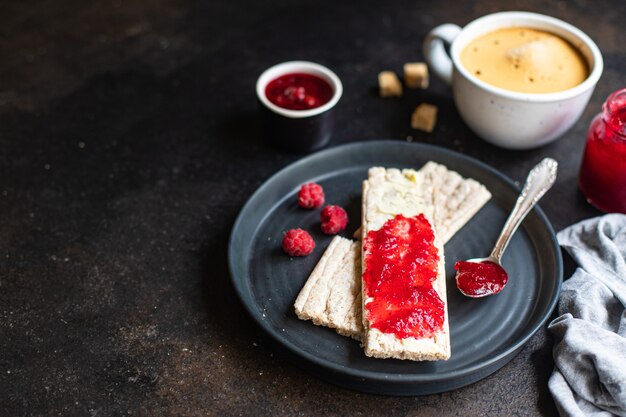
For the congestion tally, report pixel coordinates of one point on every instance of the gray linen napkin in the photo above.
(589, 352)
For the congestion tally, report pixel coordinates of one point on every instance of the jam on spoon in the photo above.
(481, 277)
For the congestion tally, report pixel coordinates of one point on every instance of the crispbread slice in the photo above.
(386, 194)
(455, 202)
(331, 296)
(455, 199)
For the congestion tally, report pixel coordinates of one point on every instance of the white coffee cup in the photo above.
(506, 118)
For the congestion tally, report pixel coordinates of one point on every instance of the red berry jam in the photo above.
(478, 279)
(401, 264)
(299, 91)
(603, 170)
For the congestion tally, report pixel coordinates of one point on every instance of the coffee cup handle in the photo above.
(435, 53)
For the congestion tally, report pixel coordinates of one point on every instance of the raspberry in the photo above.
(295, 93)
(311, 102)
(311, 195)
(298, 242)
(334, 219)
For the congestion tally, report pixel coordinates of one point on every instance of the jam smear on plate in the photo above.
(299, 91)
(401, 264)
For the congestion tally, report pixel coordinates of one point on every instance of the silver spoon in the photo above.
(472, 280)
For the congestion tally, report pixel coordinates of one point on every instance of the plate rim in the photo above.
(376, 376)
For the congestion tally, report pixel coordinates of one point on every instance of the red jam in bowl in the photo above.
(602, 175)
(299, 91)
(478, 279)
(401, 264)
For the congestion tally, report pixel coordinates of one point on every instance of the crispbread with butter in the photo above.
(388, 193)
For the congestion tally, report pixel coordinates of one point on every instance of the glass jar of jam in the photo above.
(602, 176)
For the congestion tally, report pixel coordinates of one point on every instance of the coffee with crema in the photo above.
(525, 60)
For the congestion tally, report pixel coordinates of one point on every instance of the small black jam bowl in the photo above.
(298, 130)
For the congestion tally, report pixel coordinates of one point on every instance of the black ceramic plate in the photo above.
(485, 333)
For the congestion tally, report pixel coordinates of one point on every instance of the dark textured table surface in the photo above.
(128, 144)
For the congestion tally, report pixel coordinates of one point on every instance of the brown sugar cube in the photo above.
(416, 75)
(424, 117)
(389, 84)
